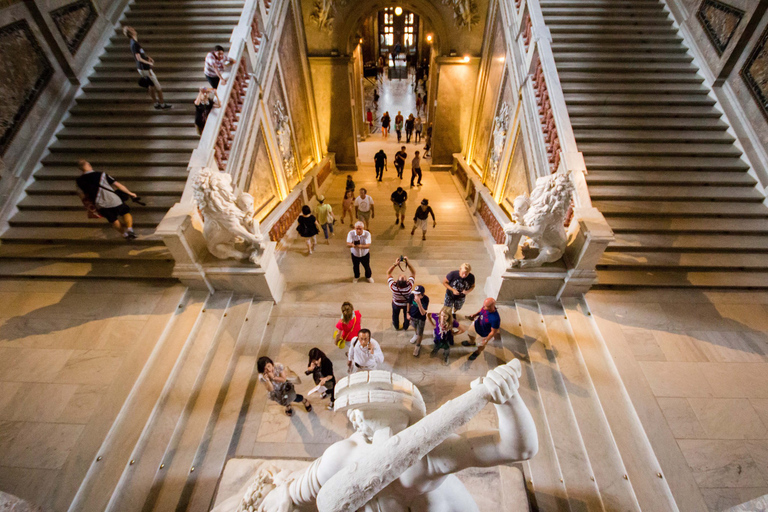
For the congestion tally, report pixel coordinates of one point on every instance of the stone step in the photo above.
(599, 163)
(135, 96)
(582, 123)
(162, 68)
(95, 146)
(42, 202)
(611, 4)
(655, 136)
(619, 208)
(642, 465)
(648, 79)
(115, 158)
(673, 193)
(139, 110)
(594, 28)
(148, 121)
(680, 279)
(667, 225)
(596, 12)
(143, 21)
(78, 253)
(697, 261)
(607, 467)
(106, 269)
(151, 30)
(577, 18)
(670, 177)
(142, 188)
(637, 47)
(623, 99)
(150, 39)
(628, 67)
(591, 36)
(142, 10)
(633, 88)
(688, 243)
(120, 47)
(156, 173)
(96, 235)
(78, 219)
(630, 112)
(576, 471)
(627, 149)
(119, 135)
(582, 55)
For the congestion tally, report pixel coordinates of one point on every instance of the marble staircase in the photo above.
(663, 168)
(114, 126)
(170, 443)
(593, 452)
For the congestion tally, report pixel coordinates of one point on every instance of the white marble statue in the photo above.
(227, 218)
(538, 221)
(284, 140)
(500, 127)
(399, 459)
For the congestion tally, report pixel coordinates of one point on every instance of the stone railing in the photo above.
(221, 146)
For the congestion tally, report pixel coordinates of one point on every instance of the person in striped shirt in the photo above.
(215, 62)
(401, 289)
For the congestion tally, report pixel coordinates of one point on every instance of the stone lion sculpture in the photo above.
(228, 219)
(539, 221)
(400, 459)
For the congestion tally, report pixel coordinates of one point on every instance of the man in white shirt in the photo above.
(359, 243)
(364, 207)
(365, 353)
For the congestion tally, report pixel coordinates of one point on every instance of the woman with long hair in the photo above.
(308, 227)
(280, 390)
(349, 325)
(321, 369)
(446, 327)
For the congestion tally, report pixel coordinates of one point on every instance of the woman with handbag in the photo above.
(349, 325)
(321, 369)
(278, 384)
(308, 227)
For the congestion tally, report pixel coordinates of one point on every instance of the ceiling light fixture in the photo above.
(398, 11)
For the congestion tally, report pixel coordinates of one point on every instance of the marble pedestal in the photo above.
(499, 489)
(508, 284)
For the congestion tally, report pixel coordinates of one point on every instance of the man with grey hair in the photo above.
(359, 243)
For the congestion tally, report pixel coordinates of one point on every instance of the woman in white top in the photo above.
(280, 390)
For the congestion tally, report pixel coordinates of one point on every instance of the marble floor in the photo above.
(696, 366)
(69, 354)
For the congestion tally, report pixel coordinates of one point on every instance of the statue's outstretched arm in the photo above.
(516, 438)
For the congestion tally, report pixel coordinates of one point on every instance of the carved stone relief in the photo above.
(285, 142)
(74, 21)
(719, 21)
(26, 72)
(465, 13)
(500, 130)
(755, 72)
(324, 13)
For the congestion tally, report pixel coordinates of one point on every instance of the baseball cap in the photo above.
(321, 198)
(419, 289)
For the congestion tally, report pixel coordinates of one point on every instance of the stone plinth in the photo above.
(499, 489)
(508, 284)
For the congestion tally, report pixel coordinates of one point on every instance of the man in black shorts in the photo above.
(457, 285)
(98, 189)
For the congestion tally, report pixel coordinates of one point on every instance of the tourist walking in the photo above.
(97, 192)
(359, 243)
(215, 62)
(446, 328)
(399, 125)
(458, 284)
(347, 205)
(400, 157)
(308, 228)
(416, 168)
(321, 370)
(350, 185)
(486, 324)
(348, 326)
(409, 128)
(428, 141)
(420, 218)
(401, 289)
(324, 213)
(144, 65)
(364, 207)
(280, 389)
(398, 198)
(417, 128)
(380, 161)
(369, 120)
(364, 353)
(418, 100)
(385, 120)
(418, 304)
(206, 100)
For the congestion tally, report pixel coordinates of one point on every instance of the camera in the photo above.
(401, 258)
(356, 242)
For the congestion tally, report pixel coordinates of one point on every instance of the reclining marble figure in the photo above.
(227, 218)
(539, 221)
(400, 459)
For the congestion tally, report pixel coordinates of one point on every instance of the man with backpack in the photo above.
(97, 191)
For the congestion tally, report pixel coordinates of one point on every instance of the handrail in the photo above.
(220, 129)
(535, 42)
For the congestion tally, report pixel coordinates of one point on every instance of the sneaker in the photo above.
(413, 340)
(397, 221)
(466, 343)
(416, 351)
(402, 226)
(423, 237)
(370, 279)
(445, 358)
(354, 279)
(164, 106)
(329, 407)
(474, 355)
(397, 327)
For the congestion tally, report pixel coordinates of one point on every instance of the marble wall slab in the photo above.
(755, 72)
(720, 22)
(74, 21)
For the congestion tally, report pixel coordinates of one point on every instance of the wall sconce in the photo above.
(452, 53)
(466, 58)
(429, 38)
(334, 53)
(398, 11)
(360, 40)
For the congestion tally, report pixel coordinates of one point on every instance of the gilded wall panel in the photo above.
(719, 21)
(261, 177)
(283, 125)
(755, 72)
(74, 21)
(518, 177)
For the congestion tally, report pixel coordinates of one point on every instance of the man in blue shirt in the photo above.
(486, 325)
